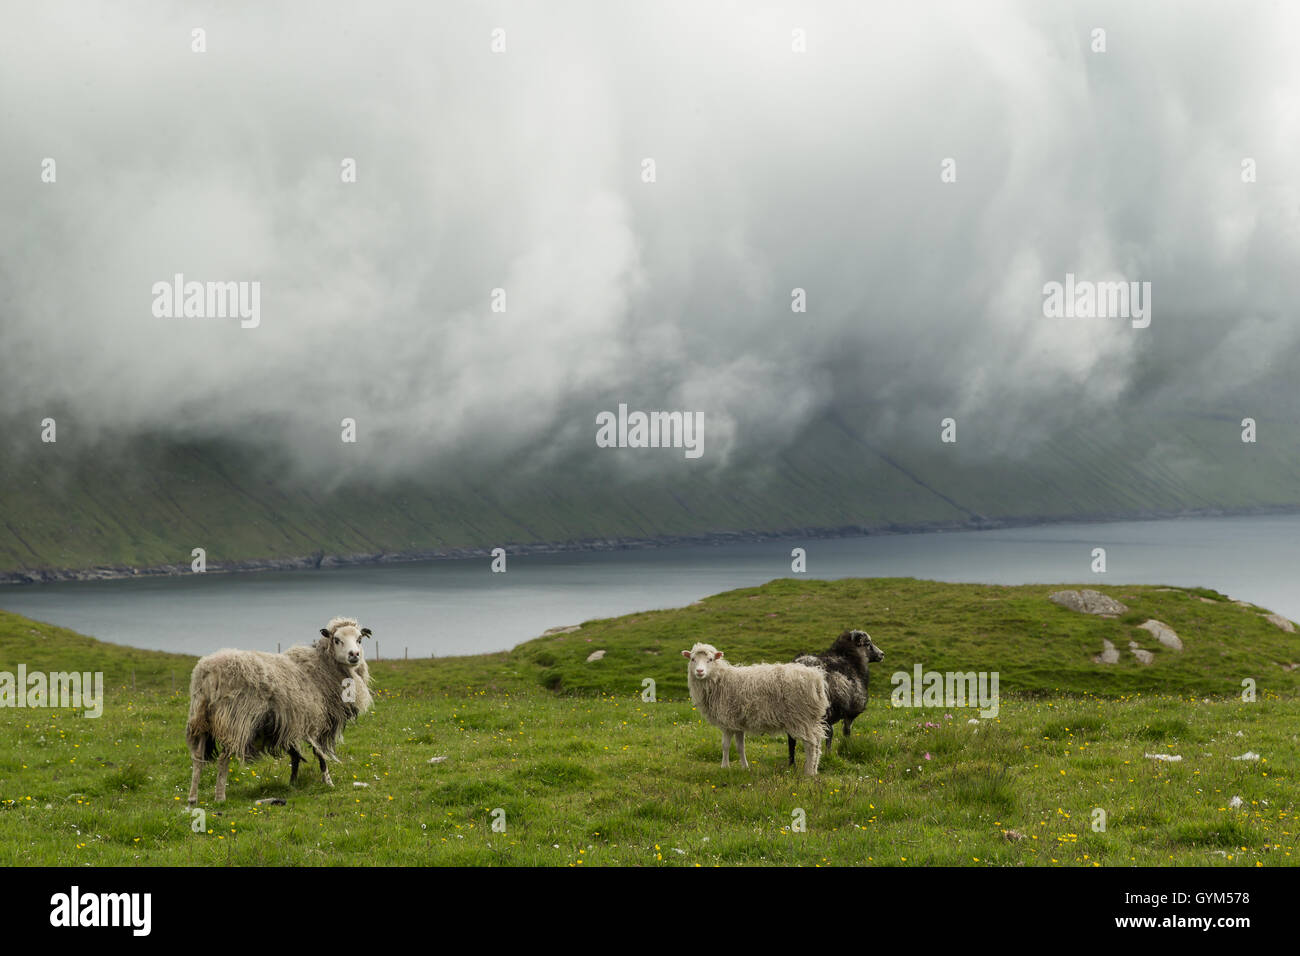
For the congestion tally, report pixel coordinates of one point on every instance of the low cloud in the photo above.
(522, 171)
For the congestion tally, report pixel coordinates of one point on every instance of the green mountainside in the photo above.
(62, 510)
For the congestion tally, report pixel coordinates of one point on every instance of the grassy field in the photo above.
(583, 771)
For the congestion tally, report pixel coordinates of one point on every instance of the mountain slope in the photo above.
(60, 511)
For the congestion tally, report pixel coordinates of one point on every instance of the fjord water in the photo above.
(461, 607)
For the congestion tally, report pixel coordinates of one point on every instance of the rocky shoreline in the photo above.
(322, 560)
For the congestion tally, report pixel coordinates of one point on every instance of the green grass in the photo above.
(1036, 646)
(594, 775)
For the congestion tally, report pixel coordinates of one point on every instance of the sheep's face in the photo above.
(863, 640)
(345, 643)
(701, 657)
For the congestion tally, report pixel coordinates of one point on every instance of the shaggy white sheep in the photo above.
(759, 699)
(248, 703)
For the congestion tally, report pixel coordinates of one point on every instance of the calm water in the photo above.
(459, 607)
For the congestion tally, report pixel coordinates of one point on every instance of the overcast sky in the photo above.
(523, 170)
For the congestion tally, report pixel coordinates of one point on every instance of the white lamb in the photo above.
(759, 699)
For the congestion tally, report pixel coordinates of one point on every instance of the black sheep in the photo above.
(845, 665)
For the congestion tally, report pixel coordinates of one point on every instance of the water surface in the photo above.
(460, 607)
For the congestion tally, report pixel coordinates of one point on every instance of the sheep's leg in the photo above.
(848, 724)
(740, 748)
(790, 740)
(812, 751)
(726, 749)
(195, 777)
(325, 771)
(295, 758)
(830, 736)
(223, 769)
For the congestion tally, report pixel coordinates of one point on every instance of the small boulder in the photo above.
(1109, 654)
(1279, 621)
(1163, 633)
(561, 630)
(1088, 601)
(595, 656)
(1144, 657)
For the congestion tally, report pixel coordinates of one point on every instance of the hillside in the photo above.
(60, 509)
(1035, 645)
(583, 770)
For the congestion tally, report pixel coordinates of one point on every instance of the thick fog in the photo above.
(523, 170)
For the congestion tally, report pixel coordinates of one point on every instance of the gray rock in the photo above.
(565, 629)
(1109, 654)
(1088, 601)
(1144, 657)
(595, 656)
(270, 801)
(1279, 621)
(1163, 633)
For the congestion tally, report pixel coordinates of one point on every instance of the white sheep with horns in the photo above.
(248, 703)
(759, 699)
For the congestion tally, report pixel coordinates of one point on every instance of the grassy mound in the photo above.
(1037, 647)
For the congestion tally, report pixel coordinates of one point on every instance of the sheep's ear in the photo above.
(365, 632)
(718, 656)
(686, 654)
(324, 632)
